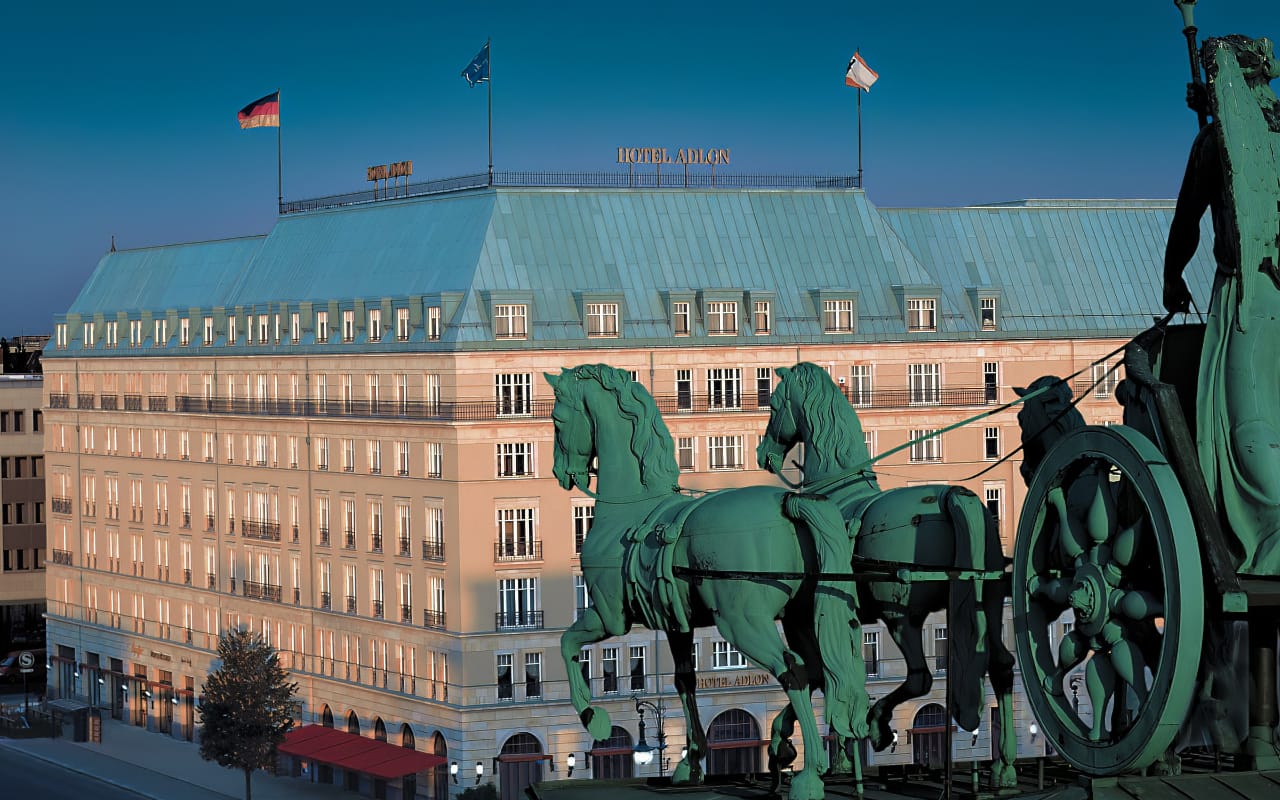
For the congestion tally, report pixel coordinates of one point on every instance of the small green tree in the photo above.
(247, 705)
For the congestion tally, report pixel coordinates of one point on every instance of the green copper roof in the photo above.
(1071, 267)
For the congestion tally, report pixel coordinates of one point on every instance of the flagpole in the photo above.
(489, 48)
(860, 186)
(279, 156)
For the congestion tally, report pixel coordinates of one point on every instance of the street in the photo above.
(25, 776)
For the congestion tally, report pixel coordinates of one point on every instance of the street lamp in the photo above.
(643, 754)
(571, 761)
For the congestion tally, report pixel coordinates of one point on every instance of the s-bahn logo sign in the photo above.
(712, 156)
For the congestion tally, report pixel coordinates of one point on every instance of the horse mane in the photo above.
(651, 442)
(834, 427)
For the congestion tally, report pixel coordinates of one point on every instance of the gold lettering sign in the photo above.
(377, 173)
(734, 681)
(708, 156)
(400, 169)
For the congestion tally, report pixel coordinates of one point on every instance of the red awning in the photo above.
(356, 753)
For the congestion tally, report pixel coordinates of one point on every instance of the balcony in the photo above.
(213, 581)
(433, 619)
(109, 402)
(518, 550)
(324, 535)
(262, 531)
(326, 601)
(162, 572)
(208, 522)
(406, 547)
(375, 543)
(60, 505)
(133, 402)
(297, 596)
(62, 557)
(157, 403)
(86, 402)
(406, 613)
(377, 609)
(351, 604)
(432, 550)
(505, 620)
(59, 400)
(349, 540)
(294, 531)
(186, 577)
(186, 519)
(262, 591)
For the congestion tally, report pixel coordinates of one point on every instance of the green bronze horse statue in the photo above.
(937, 526)
(653, 552)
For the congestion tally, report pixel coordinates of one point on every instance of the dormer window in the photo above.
(510, 321)
(88, 334)
(263, 328)
(988, 313)
(231, 330)
(135, 333)
(602, 320)
(375, 324)
(433, 323)
(322, 326)
(348, 326)
(922, 315)
(837, 316)
(680, 318)
(113, 333)
(60, 336)
(762, 317)
(722, 318)
(402, 324)
(184, 331)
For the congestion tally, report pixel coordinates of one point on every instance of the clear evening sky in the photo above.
(120, 118)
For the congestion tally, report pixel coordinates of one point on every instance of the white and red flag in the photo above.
(859, 74)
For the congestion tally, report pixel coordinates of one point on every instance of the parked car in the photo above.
(10, 672)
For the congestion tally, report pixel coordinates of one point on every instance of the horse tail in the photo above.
(967, 655)
(835, 613)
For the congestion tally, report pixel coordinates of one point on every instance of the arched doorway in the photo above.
(613, 757)
(324, 772)
(929, 737)
(519, 765)
(439, 781)
(409, 784)
(326, 716)
(352, 778)
(734, 740)
(379, 733)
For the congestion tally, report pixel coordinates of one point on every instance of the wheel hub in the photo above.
(1089, 598)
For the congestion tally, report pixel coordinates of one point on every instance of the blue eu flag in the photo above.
(478, 70)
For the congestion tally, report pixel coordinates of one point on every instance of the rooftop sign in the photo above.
(660, 155)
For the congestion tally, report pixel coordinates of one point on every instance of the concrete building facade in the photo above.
(338, 435)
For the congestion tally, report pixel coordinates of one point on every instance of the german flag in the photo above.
(262, 113)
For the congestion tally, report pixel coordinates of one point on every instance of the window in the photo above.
(433, 323)
(513, 392)
(510, 321)
(860, 391)
(515, 459)
(684, 390)
(60, 336)
(724, 452)
(113, 334)
(402, 458)
(375, 457)
(402, 324)
(762, 317)
(990, 381)
(504, 661)
(581, 597)
(295, 327)
(994, 498)
(532, 675)
(322, 452)
(724, 388)
(680, 319)
(433, 542)
(583, 516)
(184, 332)
(435, 459)
(1105, 379)
(926, 446)
(871, 652)
(161, 333)
(987, 313)
(135, 333)
(348, 326)
(348, 455)
(322, 326)
(263, 328)
(722, 318)
(764, 386)
(922, 315)
(516, 541)
(375, 324)
(602, 319)
(208, 332)
(88, 334)
(940, 648)
(726, 656)
(518, 603)
(609, 669)
(925, 383)
(837, 316)
(584, 663)
(991, 443)
(637, 668)
(684, 452)
(231, 330)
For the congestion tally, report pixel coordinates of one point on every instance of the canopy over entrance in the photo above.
(351, 752)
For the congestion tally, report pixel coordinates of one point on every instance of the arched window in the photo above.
(379, 730)
(519, 765)
(353, 723)
(439, 784)
(613, 757)
(326, 716)
(407, 739)
(929, 736)
(734, 739)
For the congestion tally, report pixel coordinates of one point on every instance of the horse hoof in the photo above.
(1003, 776)
(880, 734)
(806, 785)
(597, 722)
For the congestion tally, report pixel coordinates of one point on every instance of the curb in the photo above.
(5, 743)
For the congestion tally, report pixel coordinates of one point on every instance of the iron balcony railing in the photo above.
(133, 402)
(701, 178)
(517, 619)
(264, 531)
(325, 600)
(433, 619)
(406, 546)
(208, 522)
(213, 581)
(349, 540)
(62, 557)
(61, 505)
(375, 542)
(351, 604)
(377, 609)
(186, 577)
(59, 400)
(324, 535)
(406, 613)
(262, 591)
(518, 550)
(109, 402)
(432, 550)
(157, 403)
(86, 401)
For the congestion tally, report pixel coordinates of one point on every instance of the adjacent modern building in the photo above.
(22, 495)
(338, 435)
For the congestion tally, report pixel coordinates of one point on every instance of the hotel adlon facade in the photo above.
(338, 435)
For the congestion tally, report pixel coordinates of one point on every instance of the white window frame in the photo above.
(925, 384)
(724, 453)
(837, 316)
(510, 321)
(922, 315)
(762, 317)
(928, 450)
(722, 317)
(602, 320)
(680, 320)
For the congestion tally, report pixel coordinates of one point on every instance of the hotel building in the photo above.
(338, 435)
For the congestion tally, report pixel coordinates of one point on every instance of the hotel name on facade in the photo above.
(660, 155)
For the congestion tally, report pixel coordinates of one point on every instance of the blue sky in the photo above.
(121, 118)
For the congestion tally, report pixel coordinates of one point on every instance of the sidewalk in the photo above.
(161, 768)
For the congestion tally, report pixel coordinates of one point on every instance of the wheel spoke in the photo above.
(1139, 605)
(1100, 520)
(1125, 544)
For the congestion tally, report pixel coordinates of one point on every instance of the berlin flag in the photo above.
(262, 113)
(859, 74)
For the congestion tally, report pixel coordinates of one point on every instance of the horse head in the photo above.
(782, 433)
(1044, 419)
(574, 439)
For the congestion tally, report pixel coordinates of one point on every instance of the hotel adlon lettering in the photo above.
(661, 155)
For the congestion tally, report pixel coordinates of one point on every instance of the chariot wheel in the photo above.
(1106, 545)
